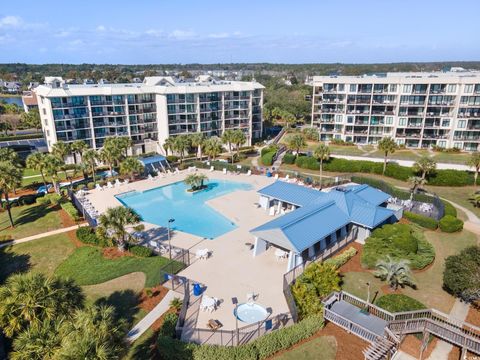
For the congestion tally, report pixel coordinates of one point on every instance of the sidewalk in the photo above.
(42, 235)
(151, 317)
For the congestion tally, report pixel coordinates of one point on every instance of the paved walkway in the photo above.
(42, 235)
(407, 163)
(151, 317)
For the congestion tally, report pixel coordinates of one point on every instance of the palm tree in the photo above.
(388, 146)
(197, 140)
(10, 179)
(296, 142)
(78, 147)
(61, 149)
(36, 161)
(169, 145)
(123, 143)
(238, 138)
(113, 151)
(176, 304)
(93, 333)
(415, 182)
(425, 165)
(113, 223)
(227, 138)
(195, 181)
(10, 155)
(38, 341)
(474, 162)
(52, 166)
(181, 145)
(395, 272)
(131, 166)
(213, 147)
(321, 153)
(89, 157)
(109, 155)
(29, 299)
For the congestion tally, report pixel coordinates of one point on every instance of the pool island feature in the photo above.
(190, 209)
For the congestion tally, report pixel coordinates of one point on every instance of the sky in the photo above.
(210, 31)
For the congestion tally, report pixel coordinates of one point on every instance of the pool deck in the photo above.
(231, 270)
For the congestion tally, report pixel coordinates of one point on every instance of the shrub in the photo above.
(317, 281)
(449, 209)
(168, 326)
(27, 199)
(53, 199)
(71, 210)
(87, 235)
(288, 158)
(462, 272)
(172, 158)
(397, 241)
(423, 221)
(267, 158)
(450, 224)
(448, 177)
(140, 251)
(339, 260)
(268, 149)
(307, 162)
(90, 185)
(399, 303)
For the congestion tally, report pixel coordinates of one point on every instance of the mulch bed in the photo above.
(66, 220)
(114, 253)
(148, 303)
(354, 264)
(473, 316)
(412, 345)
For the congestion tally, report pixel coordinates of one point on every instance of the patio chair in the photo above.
(150, 177)
(249, 172)
(214, 324)
(126, 181)
(177, 171)
(224, 171)
(109, 185)
(98, 187)
(276, 177)
(212, 168)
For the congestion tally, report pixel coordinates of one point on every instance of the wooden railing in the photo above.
(350, 326)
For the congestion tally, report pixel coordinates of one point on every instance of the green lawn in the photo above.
(87, 266)
(323, 347)
(141, 348)
(355, 283)
(42, 255)
(30, 220)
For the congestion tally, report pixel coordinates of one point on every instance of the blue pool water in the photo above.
(191, 213)
(250, 313)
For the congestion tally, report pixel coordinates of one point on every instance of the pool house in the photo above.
(308, 221)
(155, 164)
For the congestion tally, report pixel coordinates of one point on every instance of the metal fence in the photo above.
(77, 203)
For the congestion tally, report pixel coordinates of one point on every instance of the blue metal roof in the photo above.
(290, 193)
(153, 159)
(321, 213)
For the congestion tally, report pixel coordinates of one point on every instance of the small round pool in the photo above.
(250, 313)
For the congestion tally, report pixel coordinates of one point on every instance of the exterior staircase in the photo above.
(384, 346)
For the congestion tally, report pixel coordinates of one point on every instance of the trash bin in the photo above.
(197, 290)
(269, 174)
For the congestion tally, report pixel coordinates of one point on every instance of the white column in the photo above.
(291, 260)
(259, 247)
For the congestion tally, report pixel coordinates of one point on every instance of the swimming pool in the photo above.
(191, 213)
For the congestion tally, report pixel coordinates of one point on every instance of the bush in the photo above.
(449, 209)
(288, 158)
(87, 235)
(71, 210)
(268, 149)
(451, 178)
(307, 162)
(462, 272)
(140, 251)
(317, 281)
(267, 158)
(399, 303)
(168, 326)
(423, 221)
(450, 224)
(172, 158)
(397, 241)
(27, 199)
(261, 348)
(90, 185)
(339, 260)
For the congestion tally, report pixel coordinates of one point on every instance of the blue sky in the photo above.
(210, 31)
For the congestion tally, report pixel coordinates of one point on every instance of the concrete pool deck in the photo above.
(231, 270)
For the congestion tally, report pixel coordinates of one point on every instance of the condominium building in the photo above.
(148, 112)
(418, 110)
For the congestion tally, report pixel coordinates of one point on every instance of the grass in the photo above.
(323, 347)
(355, 283)
(30, 220)
(460, 195)
(141, 348)
(87, 266)
(42, 255)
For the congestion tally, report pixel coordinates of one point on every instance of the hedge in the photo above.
(261, 348)
(168, 325)
(268, 149)
(267, 158)
(449, 209)
(450, 224)
(71, 210)
(462, 272)
(438, 178)
(21, 137)
(423, 221)
(399, 303)
(341, 259)
(289, 158)
(140, 251)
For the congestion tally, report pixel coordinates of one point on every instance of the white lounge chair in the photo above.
(177, 171)
(212, 168)
(98, 187)
(126, 181)
(117, 183)
(287, 178)
(150, 177)
(109, 185)
(276, 177)
(224, 171)
(249, 172)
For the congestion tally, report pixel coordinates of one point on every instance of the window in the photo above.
(461, 124)
(445, 122)
(407, 88)
(341, 87)
(44, 111)
(451, 88)
(442, 143)
(393, 87)
(402, 121)
(353, 87)
(389, 120)
(468, 88)
(338, 118)
(457, 145)
(350, 119)
(338, 137)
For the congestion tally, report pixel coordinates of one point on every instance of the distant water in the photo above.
(12, 100)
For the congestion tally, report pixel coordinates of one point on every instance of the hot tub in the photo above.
(250, 313)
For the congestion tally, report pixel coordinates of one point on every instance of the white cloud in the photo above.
(221, 35)
(11, 21)
(101, 28)
(155, 32)
(181, 34)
